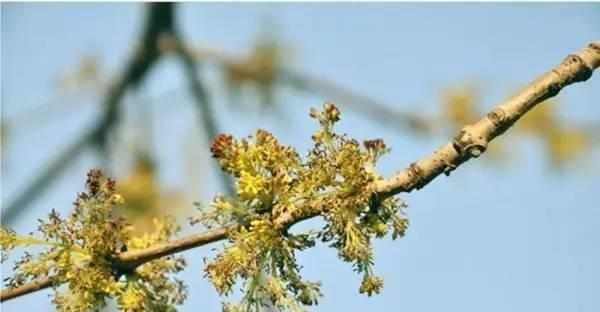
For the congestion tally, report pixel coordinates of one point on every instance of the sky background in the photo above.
(516, 237)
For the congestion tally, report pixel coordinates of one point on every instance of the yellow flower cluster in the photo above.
(80, 250)
(371, 285)
(273, 181)
(263, 257)
(275, 188)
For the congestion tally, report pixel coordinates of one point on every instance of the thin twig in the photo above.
(203, 105)
(470, 143)
(357, 102)
(335, 92)
(132, 259)
(28, 288)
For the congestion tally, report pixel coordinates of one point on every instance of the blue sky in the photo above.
(515, 238)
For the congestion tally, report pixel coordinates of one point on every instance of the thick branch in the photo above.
(470, 143)
(473, 139)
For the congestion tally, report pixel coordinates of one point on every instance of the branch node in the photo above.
(500, 120)
(469, 145)
(417, 177)
(582, 71)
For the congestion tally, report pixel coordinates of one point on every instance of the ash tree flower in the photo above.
(79, 255)
(273, 181)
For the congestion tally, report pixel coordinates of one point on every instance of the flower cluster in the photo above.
(80, 253)
(263, 257)
(276, 188)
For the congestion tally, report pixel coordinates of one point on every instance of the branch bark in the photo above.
(471, 142)
(473, 139)
(28, 288)
(130, 260)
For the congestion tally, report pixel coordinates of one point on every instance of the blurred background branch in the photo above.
(159, 24)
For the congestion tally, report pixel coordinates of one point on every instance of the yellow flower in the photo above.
(132, 298)
(371, 284)
(249, 186)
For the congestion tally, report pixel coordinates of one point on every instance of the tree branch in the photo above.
(157, 21)
(471, 142)
(169, 40)
(132, 259)
(360, 103)
(50, 173)
(473, 139)
(28, 288)
(206, 114)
